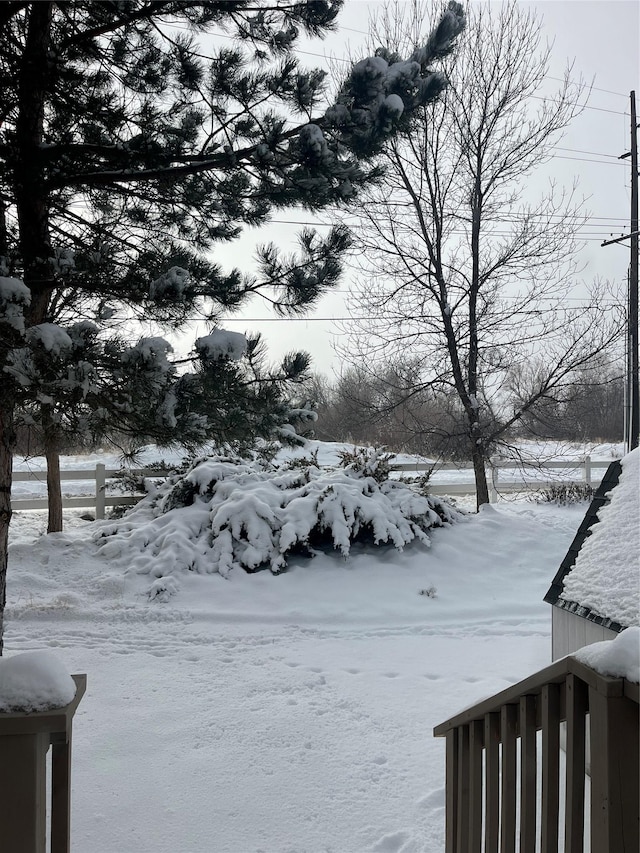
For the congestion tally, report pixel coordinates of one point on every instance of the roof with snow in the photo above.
(599, 578)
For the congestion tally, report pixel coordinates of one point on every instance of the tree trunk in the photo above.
(7, 441)
(35, 246)
(482, 489)
(54, 487)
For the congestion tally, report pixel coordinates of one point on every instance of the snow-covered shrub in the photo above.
(127, 482)
(368, 462)
(229, 513)
(564, 493)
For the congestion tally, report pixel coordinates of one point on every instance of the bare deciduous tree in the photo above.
(459, 266)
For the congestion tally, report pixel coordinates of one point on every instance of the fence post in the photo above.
(100, 490)
(493, 488)
(587, 470)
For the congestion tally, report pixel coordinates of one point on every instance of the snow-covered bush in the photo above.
(229, 513)
(564, 494)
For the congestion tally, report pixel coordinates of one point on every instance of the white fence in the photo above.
(506, 477)
(445, 479)
(98, 499)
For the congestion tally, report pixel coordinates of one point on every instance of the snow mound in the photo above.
(34, 681)
(618, 658)
(229, 513)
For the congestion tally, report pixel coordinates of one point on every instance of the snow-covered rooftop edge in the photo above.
(606, 576)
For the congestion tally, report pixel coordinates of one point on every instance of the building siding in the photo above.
(570, 632)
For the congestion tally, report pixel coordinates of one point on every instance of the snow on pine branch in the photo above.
(227, 513)
(14, 298)
(221, 344)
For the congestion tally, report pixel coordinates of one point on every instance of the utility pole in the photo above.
(632, 408)
(633, 281)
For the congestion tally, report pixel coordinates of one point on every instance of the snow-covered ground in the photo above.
(290, 713)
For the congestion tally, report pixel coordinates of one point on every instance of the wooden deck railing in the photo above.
(493, 760)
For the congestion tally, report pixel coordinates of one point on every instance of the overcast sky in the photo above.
(601, 38)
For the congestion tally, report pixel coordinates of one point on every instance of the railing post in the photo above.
(25, 738)
(462, 833)
(587, 470)
(23, 792)
(614, 773)
(451, 814)
(100, 490)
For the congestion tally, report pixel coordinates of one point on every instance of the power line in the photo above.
(579, 151)
(586, 160)
(546, 76)
(349, 61)
(591, 237)
(312, 319)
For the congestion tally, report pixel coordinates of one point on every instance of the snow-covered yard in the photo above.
(290, 713)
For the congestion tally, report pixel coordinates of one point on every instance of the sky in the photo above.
(600, 38)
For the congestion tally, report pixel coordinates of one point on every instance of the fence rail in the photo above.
(98, 500)
(492, 807)
(570, 470)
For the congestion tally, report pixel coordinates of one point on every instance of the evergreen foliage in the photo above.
(130, 146)
(134, 136)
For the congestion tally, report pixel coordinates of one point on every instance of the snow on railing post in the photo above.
(100, 490)
(25, 738)
(587, 470)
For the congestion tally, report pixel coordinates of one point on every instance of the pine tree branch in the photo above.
(10, 10)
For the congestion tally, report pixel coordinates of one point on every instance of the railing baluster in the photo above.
(492, 782)
(550, 767)
(508, 732)
(577, 707)
(475, 786)
(61, 795)
(462, 839)
(451, 818)
(528, 774)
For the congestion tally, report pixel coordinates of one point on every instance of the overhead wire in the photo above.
(349, 61)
